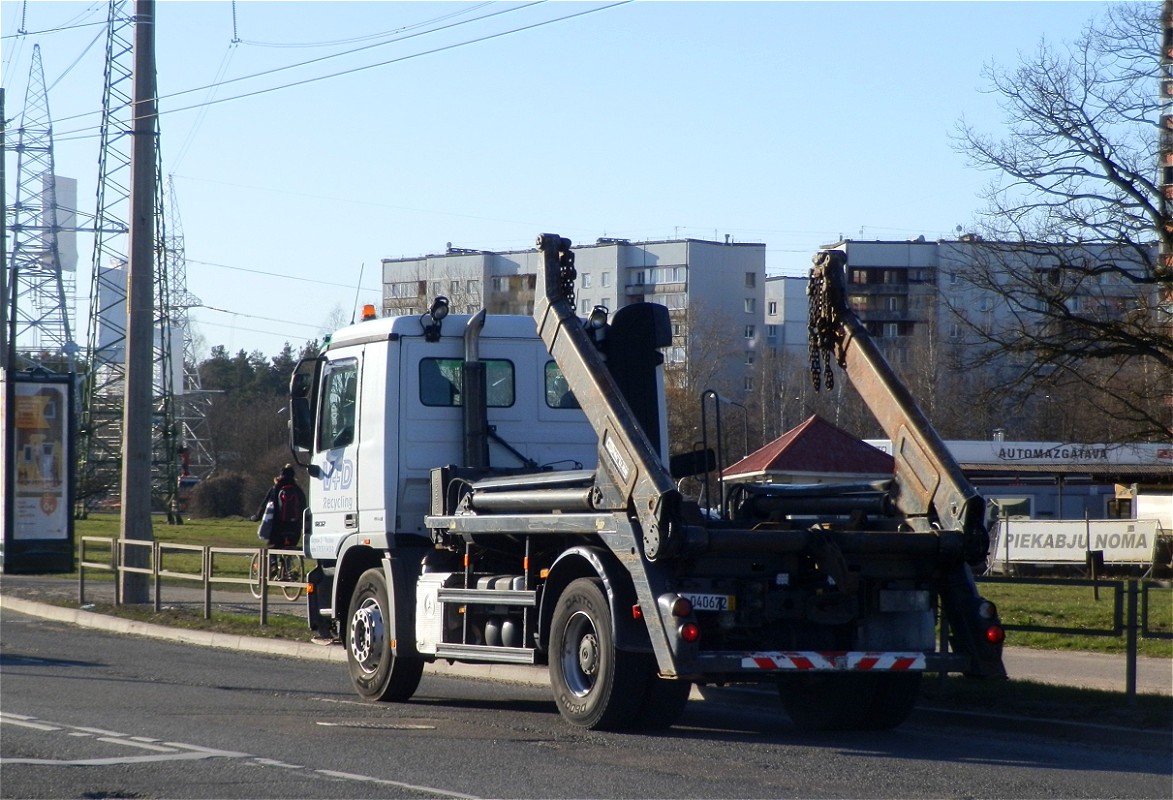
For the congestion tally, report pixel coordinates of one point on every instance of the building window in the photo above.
(454, 288)
(891, 329)
(772, 308)
(748, 383)
(474, 287)
(749, 331)
(751, 305)
(772, 331)
(859, 276)
(893, 303)
(858, 302)
(586, 307)
(606, 279)
(639, 278)
(749, 358)
(436, 289)
(586, 280)
(751, 280)
(497, 283)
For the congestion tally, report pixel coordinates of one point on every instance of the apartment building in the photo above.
(954, 290)
(713, 290)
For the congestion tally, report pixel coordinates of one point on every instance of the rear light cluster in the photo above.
(987, 611)
(689, 632)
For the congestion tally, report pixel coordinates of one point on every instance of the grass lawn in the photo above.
(1078, 608)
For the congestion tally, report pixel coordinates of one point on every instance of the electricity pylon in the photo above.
(192, 403)
(43, 279)
(101, 434)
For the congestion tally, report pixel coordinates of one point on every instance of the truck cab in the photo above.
(384, 404)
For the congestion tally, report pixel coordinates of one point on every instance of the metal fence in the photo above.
(1130, 614)
(111, 557)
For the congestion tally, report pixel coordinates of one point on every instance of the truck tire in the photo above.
(595, 685)
(376, 673)
(858, 701)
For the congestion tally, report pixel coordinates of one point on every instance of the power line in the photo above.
(255, 316)
(282, 275)
(220, 83)
(366, 38)
(72, 135)
(285, 336)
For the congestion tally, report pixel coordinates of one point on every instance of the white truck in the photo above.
(487, 492)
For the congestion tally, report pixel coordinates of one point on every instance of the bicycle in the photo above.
(284, 570)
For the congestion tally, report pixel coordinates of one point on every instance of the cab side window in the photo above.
(558, 394)
(440, 382)
(340, 392)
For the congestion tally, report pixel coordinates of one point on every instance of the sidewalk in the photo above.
(35, 595)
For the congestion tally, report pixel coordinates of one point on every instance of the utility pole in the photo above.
(136, 417)
(4, 299)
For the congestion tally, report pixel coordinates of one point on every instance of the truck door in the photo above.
(336, 455)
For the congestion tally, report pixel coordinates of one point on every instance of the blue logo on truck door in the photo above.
(338, 475)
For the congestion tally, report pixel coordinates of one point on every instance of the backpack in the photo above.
(289, 506)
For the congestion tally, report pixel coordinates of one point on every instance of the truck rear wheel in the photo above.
(377, 674)
(596, 685)
(859, 701)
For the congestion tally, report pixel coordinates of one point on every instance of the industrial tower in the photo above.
(192, 403)
(43, 262)
(100, 431)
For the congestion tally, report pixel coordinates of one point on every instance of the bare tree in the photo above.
(1070, 239)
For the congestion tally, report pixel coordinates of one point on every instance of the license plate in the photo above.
(711, 602)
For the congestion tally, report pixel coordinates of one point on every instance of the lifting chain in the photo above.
(566, 272)
(824, 331)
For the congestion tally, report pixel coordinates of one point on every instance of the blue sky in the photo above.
(789, 123)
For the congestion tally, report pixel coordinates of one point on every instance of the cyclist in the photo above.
(287, 502)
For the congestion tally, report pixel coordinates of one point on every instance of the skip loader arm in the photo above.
(631, 475)
(929, 489)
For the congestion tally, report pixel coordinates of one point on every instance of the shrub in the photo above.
(221, 496)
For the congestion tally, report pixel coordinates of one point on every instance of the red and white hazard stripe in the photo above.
(835, 661)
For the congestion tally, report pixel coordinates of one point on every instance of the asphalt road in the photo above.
(88, 713)
(1064, 668)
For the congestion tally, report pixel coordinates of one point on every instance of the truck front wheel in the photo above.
(377, 674)
(596, 685)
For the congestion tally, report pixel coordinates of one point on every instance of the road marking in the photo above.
(179, 751)
(99, 731)
(395, 726)
(164, 751)
(131, 743)
(272, 762)
(350, 776)
(27, 723)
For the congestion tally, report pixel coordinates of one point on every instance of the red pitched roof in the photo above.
(815, 446)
